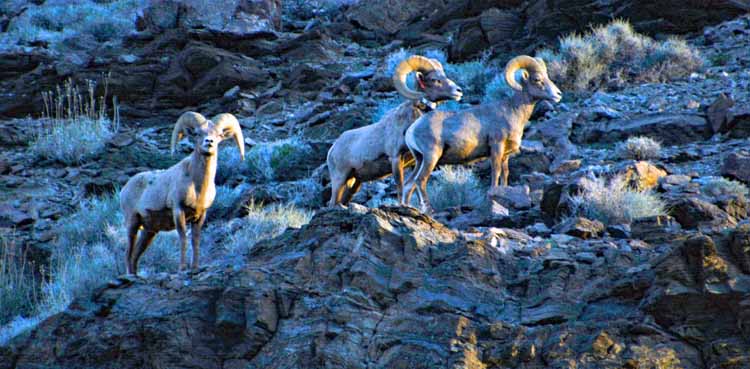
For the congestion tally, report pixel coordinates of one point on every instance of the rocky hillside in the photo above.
(390, 288)
(623, 241)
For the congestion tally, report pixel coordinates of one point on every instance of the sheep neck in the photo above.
(521, 107)
(202, 172)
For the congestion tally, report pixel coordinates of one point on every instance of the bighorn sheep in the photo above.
(163, 200)
(491, 130)
(375, 151)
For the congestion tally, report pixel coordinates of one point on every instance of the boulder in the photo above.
(581, 227)
(737, 166)
(669, 129)
(516, 197)
(692, 213)
(642, 174)
(421, 296)
(240, 18)
(717, 113)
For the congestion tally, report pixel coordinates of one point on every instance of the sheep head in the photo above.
(432, 82)
(208, 133)
(534, 78)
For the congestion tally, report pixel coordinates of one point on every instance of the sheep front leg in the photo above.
(496, 163)
(195, 232)
(181, 227)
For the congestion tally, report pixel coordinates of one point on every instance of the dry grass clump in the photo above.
(638, 148)
(77, 125)
(268, 161)
(19, 292)
(613, 54)
(265, 222)
(454, 186)
(720, 186)
(614, 201)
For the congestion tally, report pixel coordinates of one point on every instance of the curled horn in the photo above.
(186, 121)
(228, 123)
(414, 63)
(521, 62)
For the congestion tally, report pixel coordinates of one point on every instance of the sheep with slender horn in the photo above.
(491, 130)
(375, 151)
(164, 200)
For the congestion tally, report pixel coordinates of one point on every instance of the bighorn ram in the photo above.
(163, 200)
(375, 151)
(491, 130)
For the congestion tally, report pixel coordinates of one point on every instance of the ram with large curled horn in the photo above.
(174, 198)
(378, 150)
(493, 129)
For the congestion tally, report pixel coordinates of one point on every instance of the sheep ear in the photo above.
(524, 75)
(420, 80)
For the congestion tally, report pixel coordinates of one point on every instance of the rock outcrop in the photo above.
(390, 288)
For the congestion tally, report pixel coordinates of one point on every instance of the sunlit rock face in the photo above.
(391, 288)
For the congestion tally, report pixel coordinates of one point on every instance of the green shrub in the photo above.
(638, 148)
(614, 201)
(616, 52)
(265, 222)
(720, 186)
(454, 186)
(268, 160)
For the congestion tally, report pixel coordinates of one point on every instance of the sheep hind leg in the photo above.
(144, 241)
(397, 168)
(429, 162)
(410, 183)
(352, 188)
(338, 186)
(132, 229)
(506, 172)
(496, 164)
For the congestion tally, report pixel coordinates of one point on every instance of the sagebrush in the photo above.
(638, 148)
(614, 201)
(454, 186)
(613, 54)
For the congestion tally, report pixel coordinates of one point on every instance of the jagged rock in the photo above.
(670, 129)
(737, 166)
(12, 217)
(692, 212)
(738, 124)
(581, 227)
(718, 112)
(673, 182)
(248, 17)
(659, 229)
(516, 197)
(642, 174)
(701, 277)
(619, 230)
(420, 296)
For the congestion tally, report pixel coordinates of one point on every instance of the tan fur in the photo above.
(493, 130)
(376, 151)
(163, 200)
